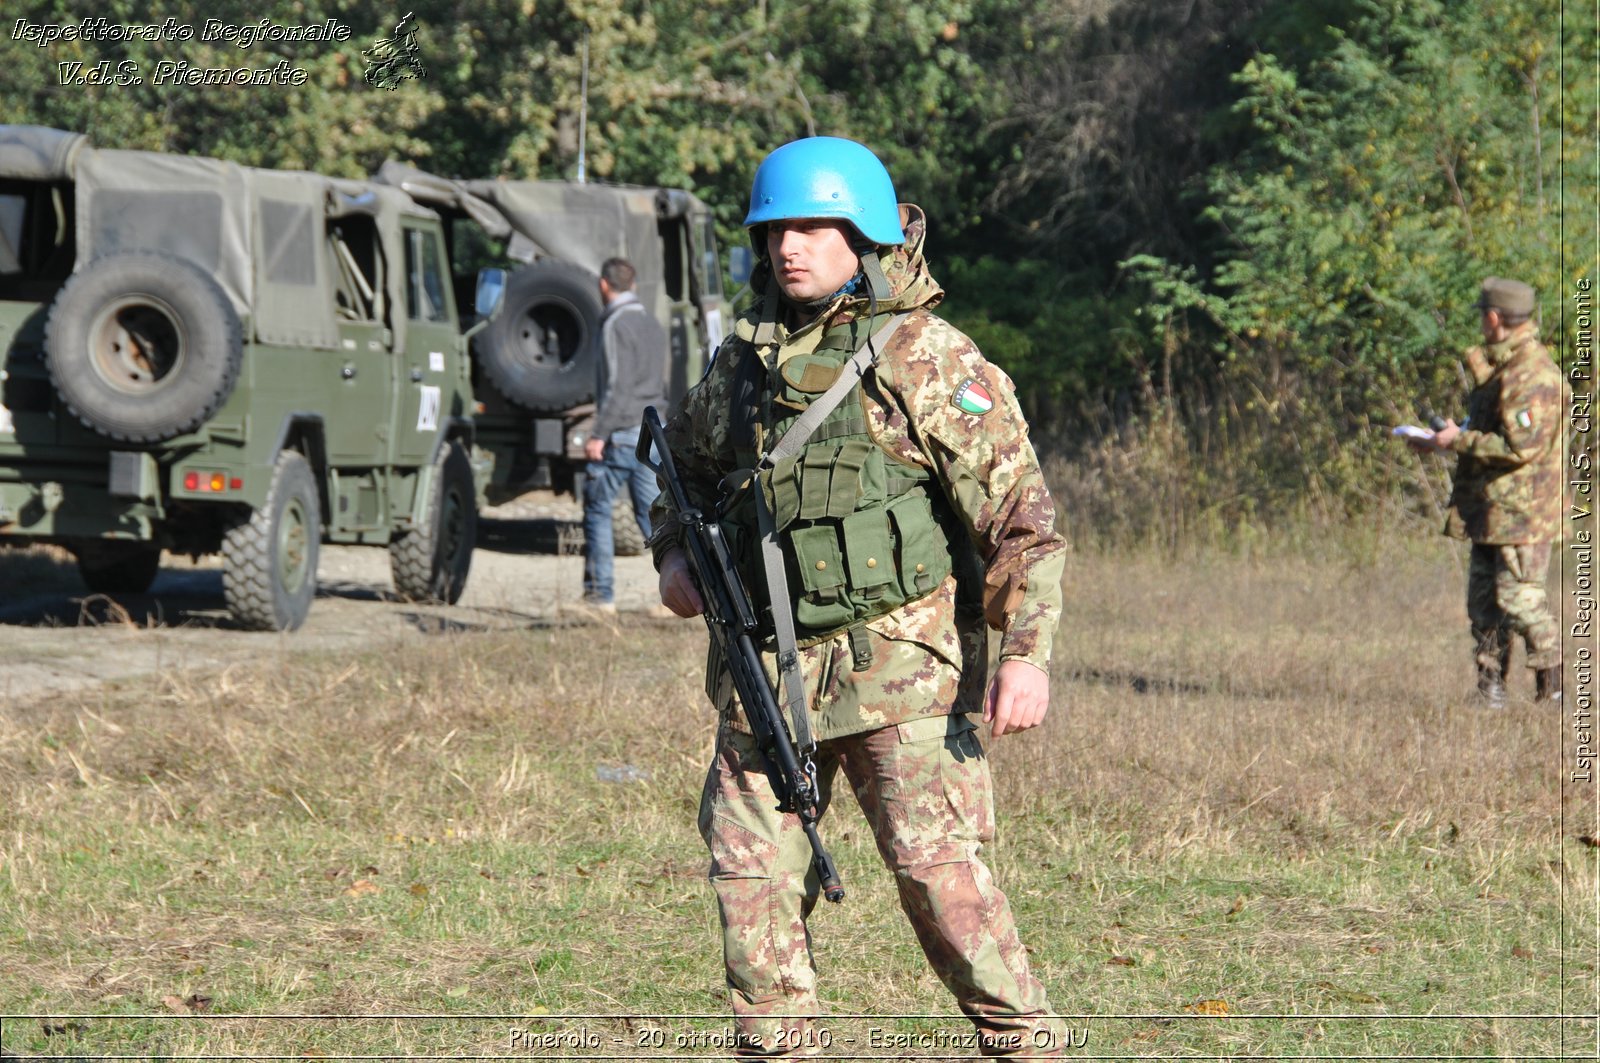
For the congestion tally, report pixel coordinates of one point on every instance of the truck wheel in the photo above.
(269, 572)
(539, 351)
(142, 346)
(116, 567)
(626, 539)
(430, 562)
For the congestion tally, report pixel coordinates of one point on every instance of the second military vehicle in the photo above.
(534, 365)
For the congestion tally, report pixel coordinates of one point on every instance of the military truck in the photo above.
(203, 357)
(534, 365)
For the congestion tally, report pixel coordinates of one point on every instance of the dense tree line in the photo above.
(1249, 230)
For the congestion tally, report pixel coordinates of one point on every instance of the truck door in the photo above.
(361, 374)
(430, 366)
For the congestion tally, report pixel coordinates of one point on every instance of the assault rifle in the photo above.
(731, 618)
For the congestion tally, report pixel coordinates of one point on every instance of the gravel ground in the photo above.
(526, 572)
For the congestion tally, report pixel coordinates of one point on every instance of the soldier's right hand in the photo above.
(677, 588)
(1444, 437)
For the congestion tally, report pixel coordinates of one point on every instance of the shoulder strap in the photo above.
(792, 682)
(818, 411)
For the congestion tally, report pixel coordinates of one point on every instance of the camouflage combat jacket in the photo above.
(1507, 486)
(931, 402)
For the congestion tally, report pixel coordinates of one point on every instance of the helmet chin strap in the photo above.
(872, 270)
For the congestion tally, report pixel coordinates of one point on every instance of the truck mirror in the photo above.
(491, 291)
(741, 260)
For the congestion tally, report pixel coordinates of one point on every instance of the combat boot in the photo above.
(1492, 688)
(1547, 684)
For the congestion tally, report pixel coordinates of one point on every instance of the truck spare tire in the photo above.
(540, 350)
(142, 346)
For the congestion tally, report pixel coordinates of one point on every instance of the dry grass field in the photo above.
(1265, 818)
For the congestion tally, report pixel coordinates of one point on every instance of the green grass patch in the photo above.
(1265, 817)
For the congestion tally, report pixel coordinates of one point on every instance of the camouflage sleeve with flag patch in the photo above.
(964, 418)
(1529, 409)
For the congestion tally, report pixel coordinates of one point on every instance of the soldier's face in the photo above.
(1492, 330)
(811, 257)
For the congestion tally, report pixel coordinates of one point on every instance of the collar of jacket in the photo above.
(1501, 354)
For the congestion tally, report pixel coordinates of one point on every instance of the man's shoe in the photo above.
(1492, 688)
(1547, 684)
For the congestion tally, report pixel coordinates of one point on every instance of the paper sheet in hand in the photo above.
(1411, 431)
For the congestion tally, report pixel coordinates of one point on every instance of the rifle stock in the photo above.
(730, 618)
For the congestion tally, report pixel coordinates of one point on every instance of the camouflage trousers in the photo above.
(924, 787)
(1505, 597)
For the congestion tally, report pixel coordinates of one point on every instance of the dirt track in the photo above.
(54, 635)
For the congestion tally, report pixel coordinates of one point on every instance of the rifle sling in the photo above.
(791, 681)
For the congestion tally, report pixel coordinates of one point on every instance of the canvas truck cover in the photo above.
(35, 153)
(584, 224)
(258, 233)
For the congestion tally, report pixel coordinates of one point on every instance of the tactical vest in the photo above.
(862, 532)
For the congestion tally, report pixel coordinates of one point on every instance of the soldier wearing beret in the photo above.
(1506, 496)
(914, 517)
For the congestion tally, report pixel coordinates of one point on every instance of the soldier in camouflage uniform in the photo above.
(915, 514)
(1507, 489)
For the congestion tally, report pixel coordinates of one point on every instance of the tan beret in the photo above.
(1506, 296)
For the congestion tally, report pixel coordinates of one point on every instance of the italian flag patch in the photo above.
(972, 397)
(1524, 419)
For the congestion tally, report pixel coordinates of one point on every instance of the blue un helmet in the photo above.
(827, 177)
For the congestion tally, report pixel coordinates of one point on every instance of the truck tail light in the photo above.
(210, 482)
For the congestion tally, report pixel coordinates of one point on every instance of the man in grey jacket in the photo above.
(633, 348)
